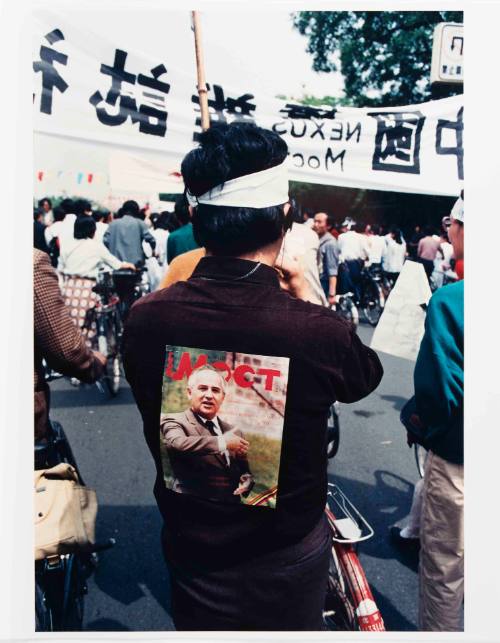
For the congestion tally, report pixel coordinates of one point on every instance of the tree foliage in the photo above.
(384, 56)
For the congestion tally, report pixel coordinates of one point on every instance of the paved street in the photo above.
(129, 591)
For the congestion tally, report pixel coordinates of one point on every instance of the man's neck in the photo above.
(266, 255)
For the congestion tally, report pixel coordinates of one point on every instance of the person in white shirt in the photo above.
(303, 244)
(85, 255)
(160, 233)
(101, 223)
(52, 234)
(45, 205)
(394, 253)
(442, 262)
(376, 246)
(353, 247)
(66, 230)
(79, 263)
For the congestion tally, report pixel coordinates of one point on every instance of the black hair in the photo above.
(98, 215)
(376, 228)
(428, 231)
(330, 221)
(181, 210)
(154, 217)
(42, 201)
(227, 152)
(359, 227)
(81, 207)
(59, 214)
(37, 213)
(397, 234)
(168, 221)
(131, 208)
(84, 228)
(68, 206)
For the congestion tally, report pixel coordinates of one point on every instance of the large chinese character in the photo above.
(50, 76)
(307, 111)
(458, 149)
(238, 108)
(397, 142)
(151, 114)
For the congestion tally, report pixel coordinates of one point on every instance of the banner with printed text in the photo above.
(97, 80)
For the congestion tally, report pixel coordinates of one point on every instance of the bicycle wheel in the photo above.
(420, 458)
(349, 601)
(107, 342)
(333, 432)
(339, 613)
(372, 302)
(347, 309)
(43, 613)
(74, 592)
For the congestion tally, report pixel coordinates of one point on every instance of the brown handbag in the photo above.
(65, 512)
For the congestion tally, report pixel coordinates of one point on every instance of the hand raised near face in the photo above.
(235, 444)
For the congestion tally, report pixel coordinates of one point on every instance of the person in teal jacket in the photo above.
(439, 396)
(181, 240)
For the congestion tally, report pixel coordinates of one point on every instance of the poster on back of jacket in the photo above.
(221, 424)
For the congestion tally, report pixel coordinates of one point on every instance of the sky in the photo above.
(277, 51)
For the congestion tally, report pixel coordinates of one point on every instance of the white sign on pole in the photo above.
(448, 53)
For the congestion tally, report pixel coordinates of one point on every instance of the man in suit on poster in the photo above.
(207, 455)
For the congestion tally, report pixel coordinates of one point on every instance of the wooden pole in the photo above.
(200, 71)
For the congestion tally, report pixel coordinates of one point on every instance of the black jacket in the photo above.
(218, 309)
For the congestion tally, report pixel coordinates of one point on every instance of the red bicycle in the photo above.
(349, 602)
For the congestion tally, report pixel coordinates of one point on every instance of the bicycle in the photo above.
(346, 307)
(61, 580)
(109, 329)
(349, 602)
(333, 430)
(372, 300)
(117, 291)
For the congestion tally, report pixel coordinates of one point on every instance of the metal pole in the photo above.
(202, 87)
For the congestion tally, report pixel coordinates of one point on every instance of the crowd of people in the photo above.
(235, 268)
(333, 257)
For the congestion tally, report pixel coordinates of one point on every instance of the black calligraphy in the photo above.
(397, 141)
(50, 76)
(151, 113)
(457, 127)
(224, 110)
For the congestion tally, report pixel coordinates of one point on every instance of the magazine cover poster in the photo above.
(221, 424)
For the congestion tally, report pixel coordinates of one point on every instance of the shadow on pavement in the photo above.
(134, 568)
(106, 625)
(87, 395)
(391, 614)
(397, 401)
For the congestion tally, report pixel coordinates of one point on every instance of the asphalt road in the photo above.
(129, 591)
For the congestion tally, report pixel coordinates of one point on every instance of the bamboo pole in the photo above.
(200, 71)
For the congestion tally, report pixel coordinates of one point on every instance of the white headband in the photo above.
(457, 212)
(259, 190)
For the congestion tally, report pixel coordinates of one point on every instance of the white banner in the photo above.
(129, 81)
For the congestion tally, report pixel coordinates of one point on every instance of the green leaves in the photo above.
(385, 56)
